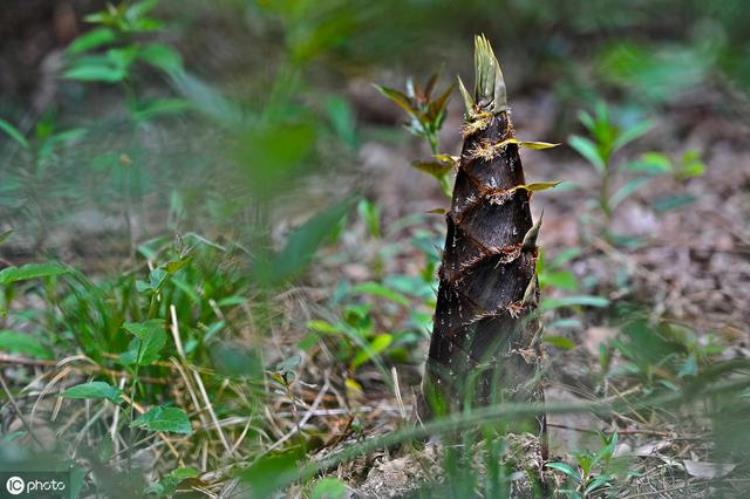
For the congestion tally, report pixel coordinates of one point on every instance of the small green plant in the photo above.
(591, 473)
(112, 52)
(426, 113)
(36, 182)
(426, 117)
(109, 52)
(664, 355)
(356, 337)
(607, 138)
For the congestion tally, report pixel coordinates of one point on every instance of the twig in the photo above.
(397, 389)
(198, 381)
(18, 411)
(115, 422)
(47, 388)
(211, 412)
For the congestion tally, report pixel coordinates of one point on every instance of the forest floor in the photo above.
(687, 265)
(690, 265)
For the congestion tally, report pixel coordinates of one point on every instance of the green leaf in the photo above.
(370, 214)
(208, 100)
(560, 342)
(588, 150)
(157, 278)
(165, 419)
(627, 190)
(536, 146)
(231, 301)
(177, 264)
(587, 120)
(597, 483)
(562, 279)
(673, 202)
(342, 120)
(302, 245)
(147, 110)
(101, 17)
(13, 133)
(564, 468)
(608, 450)
(273, 155)
(689, 367)
(94, 390)
(329, 488)
(376, 347)
(91, 40)
(573, 301)
(398, 98)
(96, 72)
(23, 343)
(67, 136)
(651, 162)
(538, 186)
(691, 166)
(161, 57)
(10, 275)
(138, 10)
(169, 482)
(376, 289)
(142, 330)
(437, 169)
(565, 256)
(570, 323)
(323, 327)
(273, 471)
(150, 338)
(234, 360)
(633, 133)
(436, 108)
(5, 235)
(120, 57)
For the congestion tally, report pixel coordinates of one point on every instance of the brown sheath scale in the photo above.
(485, 339)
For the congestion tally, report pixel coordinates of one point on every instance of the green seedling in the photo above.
(426, 118)
(591, 473)
(605, 139)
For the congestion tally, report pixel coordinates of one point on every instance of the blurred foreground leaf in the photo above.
(273, 155)
(164, 418)
(272, 472)
(301, 245)
(23, 343)
(329, 488)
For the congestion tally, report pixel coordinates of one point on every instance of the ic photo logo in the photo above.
(15, 485)
(35, 484)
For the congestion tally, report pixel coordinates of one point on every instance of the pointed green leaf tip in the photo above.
(489, 90)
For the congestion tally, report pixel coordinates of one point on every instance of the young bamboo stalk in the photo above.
(485, 346)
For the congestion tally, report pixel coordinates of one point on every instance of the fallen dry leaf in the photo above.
(706, 470)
